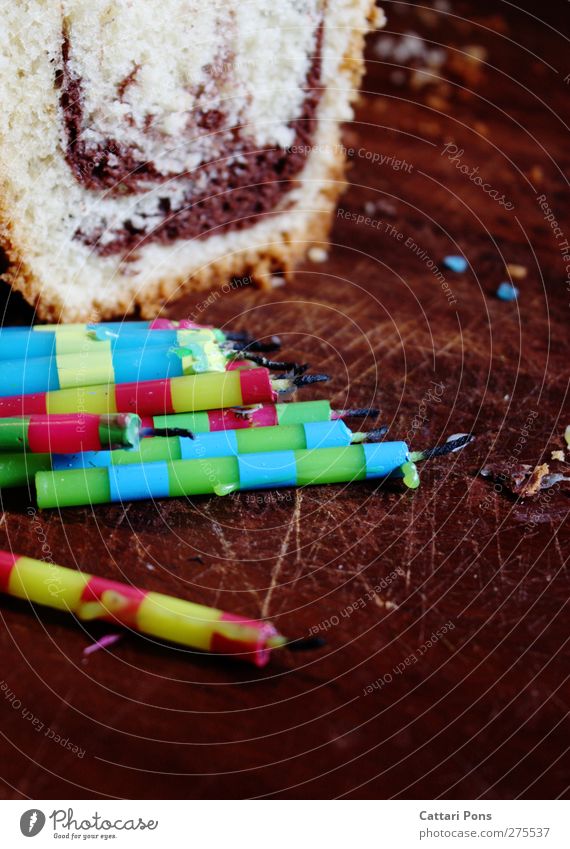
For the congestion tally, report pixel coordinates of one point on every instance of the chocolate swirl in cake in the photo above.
(235, 183)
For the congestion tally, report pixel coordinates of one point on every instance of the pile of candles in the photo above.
(117, 412)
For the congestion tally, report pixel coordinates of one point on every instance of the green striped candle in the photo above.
(220, 475)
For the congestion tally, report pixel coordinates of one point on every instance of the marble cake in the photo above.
(152, 148)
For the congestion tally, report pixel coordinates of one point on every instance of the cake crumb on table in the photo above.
(517, 272)
(317, 254)
(276, 282)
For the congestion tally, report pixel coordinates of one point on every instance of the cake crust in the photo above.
(257, 263)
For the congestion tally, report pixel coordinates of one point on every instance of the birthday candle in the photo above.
(46, 340)
(262, 415)
(69, 433)
(58, 340)
(64, 371)
(152, 397)
(220, 475)
(166, 617)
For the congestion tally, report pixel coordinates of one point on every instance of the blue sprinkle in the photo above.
(507, 292)
(456, 263)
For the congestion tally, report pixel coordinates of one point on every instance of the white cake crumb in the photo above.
(317, 254)
(379, 19)
(517, 272)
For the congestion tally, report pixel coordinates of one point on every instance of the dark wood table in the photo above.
(445, 610)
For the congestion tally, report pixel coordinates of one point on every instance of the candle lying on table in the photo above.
(104, 365)
(223, 475)
(64, 371)
(155, 614)
(220, 475)
(172, 395)
(261, 415)
(53, 339)
(69, 433)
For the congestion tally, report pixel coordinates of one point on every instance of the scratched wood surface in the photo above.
(445, 611)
